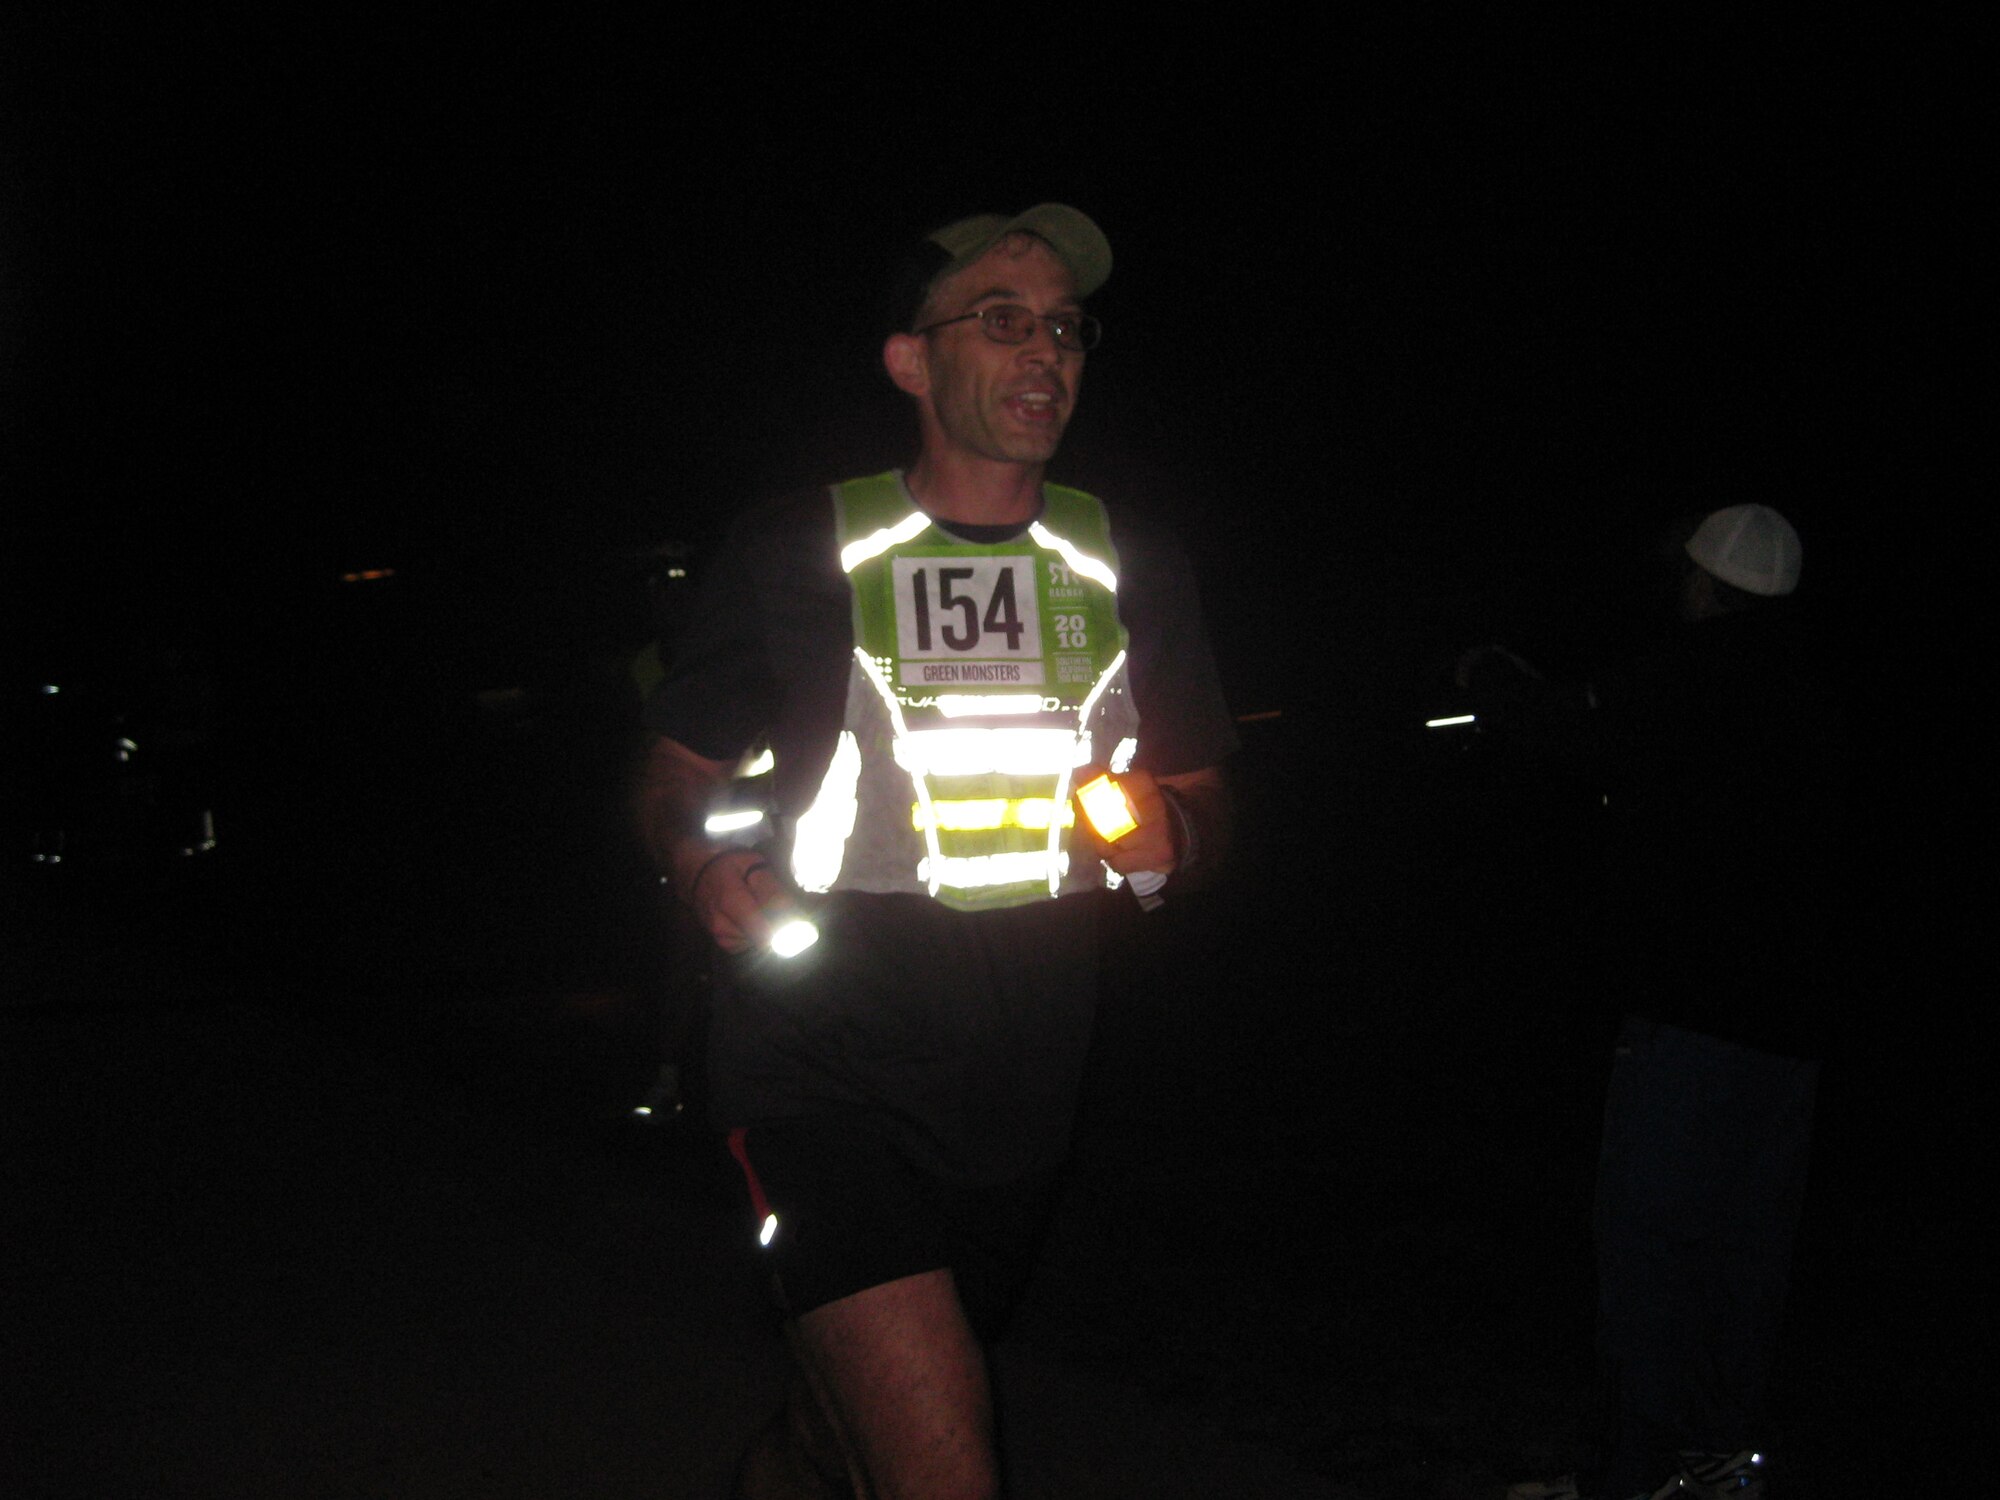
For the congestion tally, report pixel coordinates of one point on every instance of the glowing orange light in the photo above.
(1107, 807)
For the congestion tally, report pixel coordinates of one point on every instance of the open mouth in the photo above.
(1035, 406)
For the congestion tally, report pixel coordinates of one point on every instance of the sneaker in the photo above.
(1722, 1476)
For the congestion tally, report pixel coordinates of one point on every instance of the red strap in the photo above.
(740, 1150)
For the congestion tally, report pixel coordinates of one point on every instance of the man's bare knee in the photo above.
(907, 1381)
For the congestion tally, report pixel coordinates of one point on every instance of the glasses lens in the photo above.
(1080, 332)
(1006, 323)
(1010, 323)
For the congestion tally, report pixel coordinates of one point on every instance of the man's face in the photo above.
(1007, 402)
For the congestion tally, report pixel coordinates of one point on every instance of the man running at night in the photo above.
(937, 657)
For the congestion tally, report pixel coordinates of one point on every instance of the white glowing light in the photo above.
(732, 822)
(980, 752)
(760, 764)
(770, 1230)
(793, 937)
(819, 838)
(1454, 719)
(972, 871)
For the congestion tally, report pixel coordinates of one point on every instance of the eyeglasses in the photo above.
(1011, 323)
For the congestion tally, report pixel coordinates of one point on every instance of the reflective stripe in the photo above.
(1079, 560)
(1121, 758)
(981, 752)
(995, 705)
(1097, 688)
(854, 554)
(972, 871)
(820, 835)
(873, 671)
(981, 814)
(1082, 757)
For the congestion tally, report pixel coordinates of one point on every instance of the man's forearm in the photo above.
(676, 790)
(732, 891)
(1202, 798)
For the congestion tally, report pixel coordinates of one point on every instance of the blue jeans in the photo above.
(1700, 1179)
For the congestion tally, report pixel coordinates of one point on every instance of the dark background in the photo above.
(296, 293)
(1420, 333)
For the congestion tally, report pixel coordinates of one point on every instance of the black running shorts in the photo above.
(846, 1211)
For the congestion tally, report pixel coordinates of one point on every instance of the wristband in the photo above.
(694, 885)
(1187, 842)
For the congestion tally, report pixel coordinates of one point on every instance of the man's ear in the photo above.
(903, 357)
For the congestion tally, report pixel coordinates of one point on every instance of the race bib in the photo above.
(972, 621)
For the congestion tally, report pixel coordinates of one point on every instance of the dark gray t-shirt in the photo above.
(964, 1033)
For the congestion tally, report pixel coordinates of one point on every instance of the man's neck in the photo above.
(976, 492)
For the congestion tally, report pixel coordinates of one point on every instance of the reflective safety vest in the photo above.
(983, 675)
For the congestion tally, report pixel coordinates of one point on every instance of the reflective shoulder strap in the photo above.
(872, 515)
(1080, 519)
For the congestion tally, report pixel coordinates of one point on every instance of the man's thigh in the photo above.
(848, 1213)
(904, 1379)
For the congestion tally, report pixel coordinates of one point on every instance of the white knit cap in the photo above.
(1750, 546)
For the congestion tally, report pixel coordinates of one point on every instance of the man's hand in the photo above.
(734, 894)
(1151, 845)
(1157, 844)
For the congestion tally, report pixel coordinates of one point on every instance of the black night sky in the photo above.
(1420, 313)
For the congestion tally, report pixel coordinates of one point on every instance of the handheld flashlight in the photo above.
(1108, 808)
(792, 937)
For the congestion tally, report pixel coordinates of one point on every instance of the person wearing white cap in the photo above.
(935, 656)
(1722, 804)
(1741, 554)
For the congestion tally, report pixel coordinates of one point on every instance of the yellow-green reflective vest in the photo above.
(983, 675)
